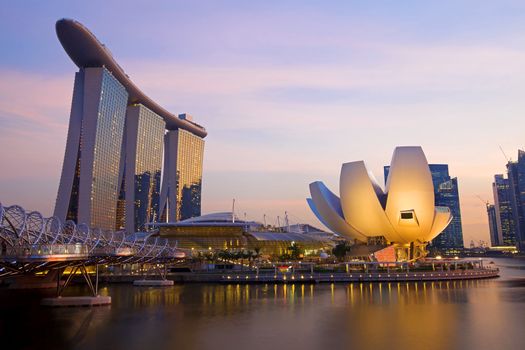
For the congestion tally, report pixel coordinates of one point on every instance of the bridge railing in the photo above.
(39, 251)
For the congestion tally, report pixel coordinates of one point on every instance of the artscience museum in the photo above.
(403, 217)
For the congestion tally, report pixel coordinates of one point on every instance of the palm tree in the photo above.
(295, 251)
(256, 253)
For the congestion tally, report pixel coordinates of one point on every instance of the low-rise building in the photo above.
(224, 231)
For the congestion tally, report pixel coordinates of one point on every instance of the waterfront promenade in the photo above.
(329, 273)
(360, 277)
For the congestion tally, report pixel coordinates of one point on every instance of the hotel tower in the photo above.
(128, 161)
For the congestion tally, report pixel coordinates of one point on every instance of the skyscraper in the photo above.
(144, 135)
(505, 223)
(446, 194)
(495, 238)
(89, 184)
(181, 193)
(112, 170)
(516, 176)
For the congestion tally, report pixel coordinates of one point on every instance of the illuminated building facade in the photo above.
(111, 175)
(404, 214)
(217, 231)
(446, 194)
(516, 176)
(495, 239)
(503, 206)
(89, 184)
(144, 146)
(181, 193)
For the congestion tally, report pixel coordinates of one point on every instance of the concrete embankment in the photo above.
(323, 277)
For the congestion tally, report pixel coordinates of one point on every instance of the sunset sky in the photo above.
(288, 91)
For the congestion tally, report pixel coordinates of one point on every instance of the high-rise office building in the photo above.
(439, 174)
(516, 176)
(446, 194)
(111, 175)
(495, 239)
(506, 226)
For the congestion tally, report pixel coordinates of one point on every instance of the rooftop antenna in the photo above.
(233, 211)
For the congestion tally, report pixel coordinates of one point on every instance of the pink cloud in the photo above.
(41, 100)
(307, 135)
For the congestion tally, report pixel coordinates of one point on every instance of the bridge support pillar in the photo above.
(163, 281)
(93, 300)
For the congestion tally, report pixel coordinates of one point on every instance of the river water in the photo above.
(482, 314)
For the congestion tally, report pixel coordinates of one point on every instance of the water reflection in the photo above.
(433, 315)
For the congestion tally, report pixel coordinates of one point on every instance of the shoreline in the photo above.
(298, 277)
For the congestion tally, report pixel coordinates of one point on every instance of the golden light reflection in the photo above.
(232, 298)
(430, 308)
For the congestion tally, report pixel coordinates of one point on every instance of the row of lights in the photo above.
(361, 276)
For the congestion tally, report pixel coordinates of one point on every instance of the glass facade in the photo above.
(121, 207)
(72, 212)
(73, 195)
(111, 177)
(447, 195)
(107, 148)
(190, 153)
(504, 214)
(99, 101)
(439, 174)
(516, 176)
(237, 238)
(148, 166)
(493, 227)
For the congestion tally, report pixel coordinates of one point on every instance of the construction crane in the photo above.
(482, 200)
(504, 154)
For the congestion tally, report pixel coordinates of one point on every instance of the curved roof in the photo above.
(85, 50)
(284, 236)
(408, 215)
(212, 217)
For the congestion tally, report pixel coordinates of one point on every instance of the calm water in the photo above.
(485, 314)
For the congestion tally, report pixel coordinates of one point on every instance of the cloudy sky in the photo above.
(288, 91)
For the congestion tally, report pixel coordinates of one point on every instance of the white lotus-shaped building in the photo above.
(403, 214)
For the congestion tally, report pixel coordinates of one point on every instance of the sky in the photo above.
(287, 90)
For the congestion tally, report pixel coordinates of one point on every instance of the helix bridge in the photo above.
(32, 244)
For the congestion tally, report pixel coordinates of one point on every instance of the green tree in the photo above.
(293, 252)
(340, 250)
(225, 255)
(257, 252)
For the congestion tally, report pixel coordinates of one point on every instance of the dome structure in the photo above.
(403, 214)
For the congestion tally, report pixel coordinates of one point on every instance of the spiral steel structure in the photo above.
(30, 243)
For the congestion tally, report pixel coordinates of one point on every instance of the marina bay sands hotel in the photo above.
(128, 161)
